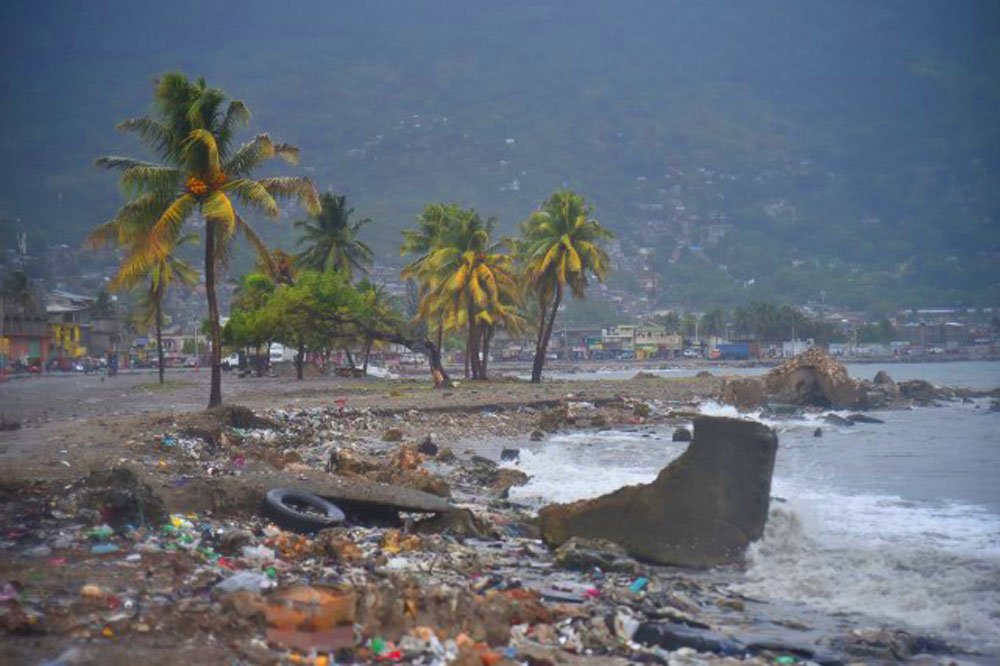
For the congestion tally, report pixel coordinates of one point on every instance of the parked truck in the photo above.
(736, 351)
(280, 353)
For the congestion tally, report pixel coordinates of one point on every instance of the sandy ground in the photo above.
(72, 424)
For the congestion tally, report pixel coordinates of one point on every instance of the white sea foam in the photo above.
(933, 569)
(838, 543)
(586, 464)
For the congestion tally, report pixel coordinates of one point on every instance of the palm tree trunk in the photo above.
(159, 339)
(477, 361)
(300, 360)
(350, 357)
(368, 352)
(215, 394)
(470, 343)
(487, 338)
(543, 343)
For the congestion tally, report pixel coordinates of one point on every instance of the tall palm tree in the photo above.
(432, 223)
(200, 175)
(561, 246)
(332, 241)
(471, 285)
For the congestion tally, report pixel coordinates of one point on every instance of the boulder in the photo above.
(837, 420)
(815, 379)
(681, 434)
(863, 418)
(586, 554)
(703, 509)
(428, 447)
(744, 393)
(884, 382)
(459, 522)
(919, 391)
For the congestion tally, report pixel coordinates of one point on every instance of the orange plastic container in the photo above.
(311, 617)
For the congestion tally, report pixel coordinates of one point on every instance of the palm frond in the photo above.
(237, 115)
(120, 163)
(105, 235)
(153, 133)
(255, 241)
(294, 187)
(150, 178)
(252, 194)
(205, 139)
(218, 208)
(166, 229)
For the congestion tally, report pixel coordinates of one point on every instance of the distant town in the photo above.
(72, 324)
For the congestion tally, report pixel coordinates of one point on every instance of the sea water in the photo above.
(897, 523)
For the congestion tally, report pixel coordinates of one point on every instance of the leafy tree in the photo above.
(15, 289)
(377, 307)
(669, 320)
(103, 306)
(560, 247)
(199, 176)
(320, 307)
(332, 241)
(689, 324)
(248, 327)
(713, 322)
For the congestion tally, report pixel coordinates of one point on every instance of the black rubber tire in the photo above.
(279, 506)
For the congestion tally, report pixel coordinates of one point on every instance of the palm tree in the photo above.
(561, 246)
(162, 274)
(332, 241)
(470, 285)
(200, 176)
(432, 223)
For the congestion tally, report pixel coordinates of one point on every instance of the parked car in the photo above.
(691, 353)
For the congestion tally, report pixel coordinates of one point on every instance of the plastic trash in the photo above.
(638, 585)
(258, 554)
(8, 592)
(103, 549)
(101, 532)
(253, 581)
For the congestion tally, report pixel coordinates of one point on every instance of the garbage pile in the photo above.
(393, 575)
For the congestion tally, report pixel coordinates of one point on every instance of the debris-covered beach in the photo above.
(136, 525)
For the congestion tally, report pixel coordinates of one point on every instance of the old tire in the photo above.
(300, 511)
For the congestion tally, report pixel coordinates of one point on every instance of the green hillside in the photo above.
(787, 150)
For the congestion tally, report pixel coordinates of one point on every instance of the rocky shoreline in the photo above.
(188, 564)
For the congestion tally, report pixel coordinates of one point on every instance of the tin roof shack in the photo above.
(24, 331)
